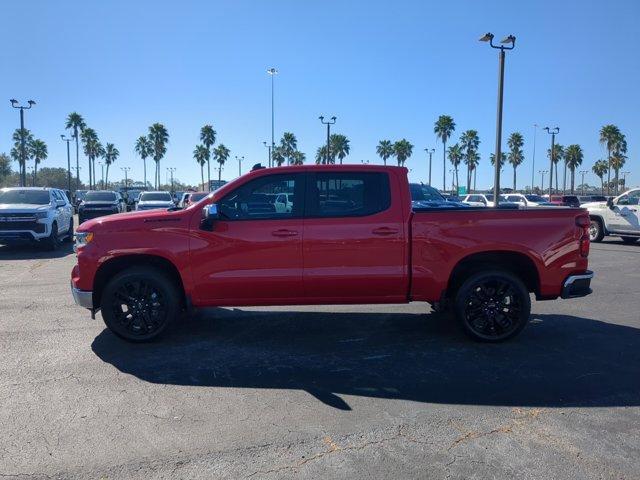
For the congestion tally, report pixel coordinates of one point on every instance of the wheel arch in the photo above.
(600, 218)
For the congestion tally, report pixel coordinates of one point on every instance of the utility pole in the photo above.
(23, 148)
(533, 161)
(583, 173)
(101, 174)
(328, 123)
(510, 40)
(553, 132)
(65, 139)
(273, 72)
(239, 159)
(171, 169)
(269, 158)
(430, 152)
(542, 172)
(126, 179)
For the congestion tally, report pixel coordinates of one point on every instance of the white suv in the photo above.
(43, 215)
(618, 216)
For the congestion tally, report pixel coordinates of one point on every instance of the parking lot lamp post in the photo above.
(171, 170)
(126, 178)
(583, 173)
(430, 152)
(328, 123)
(624, 179)
(101, 174)
(23, 148)
(542, 172)
(553, 132)
(273, 72)
(269, 158)
(65, 139)
(507, 43)
(239, 159)
(77, 168)
(533, 159)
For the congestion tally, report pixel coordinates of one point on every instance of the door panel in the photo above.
(625, 215)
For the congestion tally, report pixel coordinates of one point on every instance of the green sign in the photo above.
(462, 190)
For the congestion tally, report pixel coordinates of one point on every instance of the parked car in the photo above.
(191, 197)
(283, 202)
(349, 239)
(619, 216)
(591, 198)
(42, 215)
(154, 200)
(77, 199)
(526, 200)
(565, 200)
(98, 203)
(425, 196)
(486, 200)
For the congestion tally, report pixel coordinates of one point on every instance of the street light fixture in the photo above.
(583, 173)
(272, 72)
(328, 123)
(101, 174)
(23, 150)
(542, 172)
(430, 152)
(269, 147)
(171, 170)
(553, 132)
(126, 179)
(507, 43)
(239, 159)
(65, 139)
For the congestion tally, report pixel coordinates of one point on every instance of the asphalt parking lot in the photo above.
(302, 392)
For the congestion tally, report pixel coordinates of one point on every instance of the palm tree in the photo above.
(443, 128)
(277, 155)
(143, 148)
(573, 159)
(385, 150)
(455, 157)
(618, 159)
(208, 138)
(600, 168)
(22, 135)
(515, 156)
(92, 148)
(288, 146)
(221, 155)
(39, 153)
(557, 156)
(609, 137)
(402, 150)
(76, 123)
(321, 155)
(111, 153)
(201, 155)
(469, 142)
(503, 159)
(340, 147)
(158, 137)
(298, 158)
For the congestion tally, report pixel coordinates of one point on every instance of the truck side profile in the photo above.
(618, 216)
(350, 237)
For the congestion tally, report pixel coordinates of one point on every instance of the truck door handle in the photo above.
(284, 233)
(384, 231)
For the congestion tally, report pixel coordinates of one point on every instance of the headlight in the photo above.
(82, 238)
(40, 215)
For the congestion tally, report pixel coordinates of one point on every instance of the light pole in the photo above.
(542, 172)
(430, 152)
(239, 159)
(553, 132)
(171, 169)
(23, 150)
(273, 72)
(101, 174)
(65, 139)
(583, 173)
(328, 123)
(533, 161)
(126, 179)
(624, 179)
(269, 158)
(504, 45)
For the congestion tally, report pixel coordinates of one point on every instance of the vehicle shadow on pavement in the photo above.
(30, 251)
(558, 360)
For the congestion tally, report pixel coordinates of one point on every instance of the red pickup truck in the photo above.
(347, 234)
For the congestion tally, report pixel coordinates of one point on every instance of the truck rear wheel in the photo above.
(596, 230)
(492, 306)
(139, 303)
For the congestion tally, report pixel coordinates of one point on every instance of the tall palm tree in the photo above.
(515, 155)
(298, 158)
(76, 123)
(92, 148)
(208, 138)
(573, 158)
(402, 150)
(221, 155)
(609, 137)
(618, 159)
(472, 160)
(159, 137)
(340, 147)
(443, 128)
(321, 155)
(288, 146)
(143, 148)
(557, 156)
(22, 135)
(600, 168)
(384, 150)
(503, 159)
(278, 155)
(201, 155)
(110, 155)
(38, 153)
(469, 142)
(455, 157)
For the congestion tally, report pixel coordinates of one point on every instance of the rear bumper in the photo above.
(83, 298)
(577, 285)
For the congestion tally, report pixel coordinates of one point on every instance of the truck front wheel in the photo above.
(139, 303)
(492, 306)
(596, 231)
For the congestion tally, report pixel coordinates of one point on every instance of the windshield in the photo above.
(29, 197)
(425, 193)
(196, 197)
(100, 197)
(155, 197)
(535, 198)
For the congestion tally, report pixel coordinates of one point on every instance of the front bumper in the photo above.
(83, 298)
(577, 285)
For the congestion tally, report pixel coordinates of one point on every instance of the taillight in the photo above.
(583, 222)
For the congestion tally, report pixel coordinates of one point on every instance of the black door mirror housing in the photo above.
(209, 216)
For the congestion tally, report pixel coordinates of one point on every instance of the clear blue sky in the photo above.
(386, 69)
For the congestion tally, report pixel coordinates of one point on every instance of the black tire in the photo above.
(52, 242)
(492, 306)
(69, 237)
(596, 230)
(629, 240)
(128, 299)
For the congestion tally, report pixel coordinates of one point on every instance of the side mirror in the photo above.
(209, 216)
(610, 202)
(60, 203)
